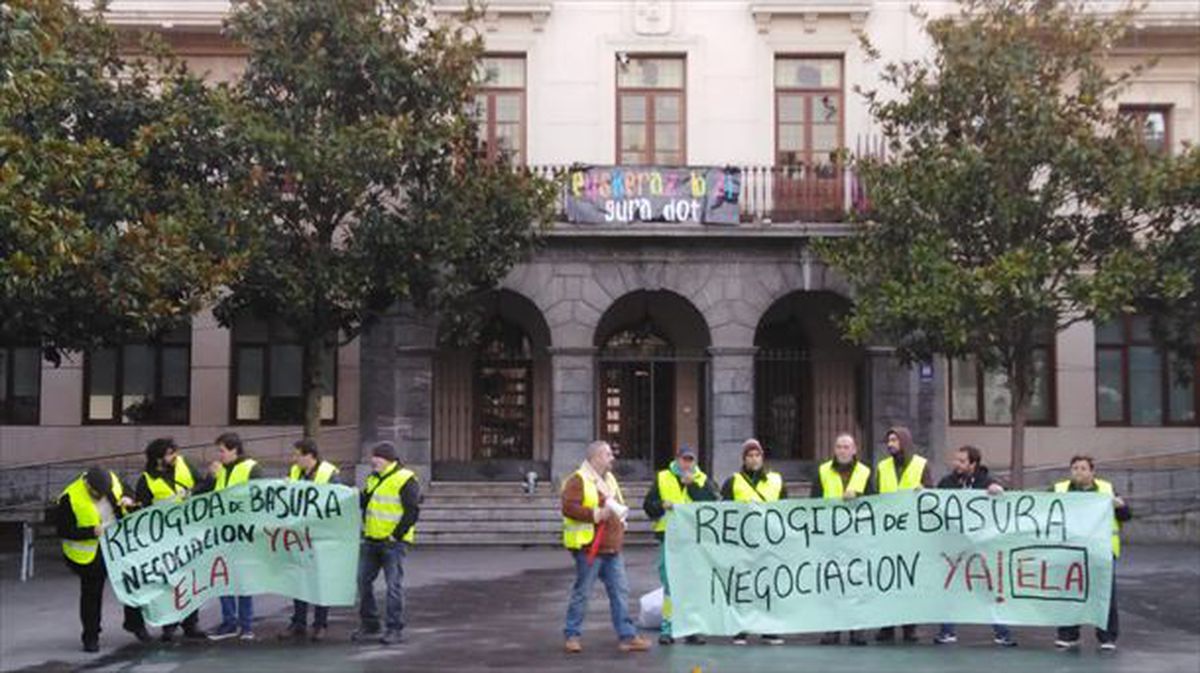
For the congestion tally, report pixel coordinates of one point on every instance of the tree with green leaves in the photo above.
(109, 225)
(1013, 200)
(352, 147)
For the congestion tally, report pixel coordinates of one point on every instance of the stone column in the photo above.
(574, 407)
(397, 387)
(893, 397)
(732, 408)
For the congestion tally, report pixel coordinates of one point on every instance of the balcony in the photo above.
(755, 195)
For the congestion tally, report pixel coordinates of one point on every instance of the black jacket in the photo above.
(68, 526)
(979, 479)
(410, 498)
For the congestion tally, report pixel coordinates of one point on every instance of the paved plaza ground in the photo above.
(502, 609)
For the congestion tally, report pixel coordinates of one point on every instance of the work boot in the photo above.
(634, 644)
(91, 644)
(572, 646)
(694, 640)
(194, 634)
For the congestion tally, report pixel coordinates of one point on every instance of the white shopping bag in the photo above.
(650, 616)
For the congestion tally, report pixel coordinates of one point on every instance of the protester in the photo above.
(1083, 479)
(842, 477)
(168, 478)
(681, 482)
(754, 483)
(969, 473)
(594, 522)
(308, 466)
(391, 505)
(231, 468)
(87, 506)
(902, 470)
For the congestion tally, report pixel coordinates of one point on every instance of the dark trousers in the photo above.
(92, 578)
(188, 623)
(388, 556)
(300, 615)
(1108, 635)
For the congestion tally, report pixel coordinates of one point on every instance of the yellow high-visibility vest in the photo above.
(767, 490)
(159, 488)
(325, 472)
(909, 479)
(1106, 487)
(384, 509)
(670, 490)
(87, 515)
(831, 480)
(579, 534)
(240, 474)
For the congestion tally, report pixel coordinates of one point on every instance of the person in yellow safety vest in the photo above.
(308, 466)
(842, 477)
(754, 483)
(902, 470)
(168, 477)
(232, 468)
(88, 505)
(681, 482)
(391, 503)
(594, 514)
(1083, 479)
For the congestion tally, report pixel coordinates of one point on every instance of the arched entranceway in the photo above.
(652, 379)
(808, 381)
(491, 400)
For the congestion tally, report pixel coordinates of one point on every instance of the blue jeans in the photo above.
(237, 612)
(610, 568)
(999, 630)
(300, 615)
(387, 555)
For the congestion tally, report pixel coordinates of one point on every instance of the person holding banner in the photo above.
(391, 504)
(902, 470)
(1083, 479)
(969, 473)
(168, 477)
(231, 468)
(87, 506)
(594, 515)
(308, 466)
(683, 481)
(754, 483)
(842, 477)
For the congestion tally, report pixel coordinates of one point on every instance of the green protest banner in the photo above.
(932, 556)
(293, 538)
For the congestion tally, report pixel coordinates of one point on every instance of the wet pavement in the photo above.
(502, 609)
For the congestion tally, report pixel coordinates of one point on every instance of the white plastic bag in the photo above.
(650, 615)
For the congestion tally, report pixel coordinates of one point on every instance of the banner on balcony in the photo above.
(626, 194)
(1035, 559)
(294, 538)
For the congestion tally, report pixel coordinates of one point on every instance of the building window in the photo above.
(650, 111)
(1135, 382)
(504, 394)
(980, 396)
(500, 108)
(20, 384)
(1154, 122)
(140, 383)
(808, 112)
(268, 361)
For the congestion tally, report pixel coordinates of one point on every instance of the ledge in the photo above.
(537, 12)
(809, 11)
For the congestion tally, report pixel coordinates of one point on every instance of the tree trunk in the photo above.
(1018, 385)
(314, 361)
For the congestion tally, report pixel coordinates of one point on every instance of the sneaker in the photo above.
(365, 635)
(572, 646)
(1108, 647)
(1066, 644)
(318, 634)
(634, 644)
(694, 640)
(945, 639)
(223, 632)
(1006, 641)
(740, 639)
(666, 640)
(246, 635)
(392, 637)
(772, 639)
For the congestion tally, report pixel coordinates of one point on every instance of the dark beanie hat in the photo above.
(98, 480)
(751, 445)
(385, 450)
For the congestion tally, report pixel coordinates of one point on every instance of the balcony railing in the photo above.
(771, 194)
